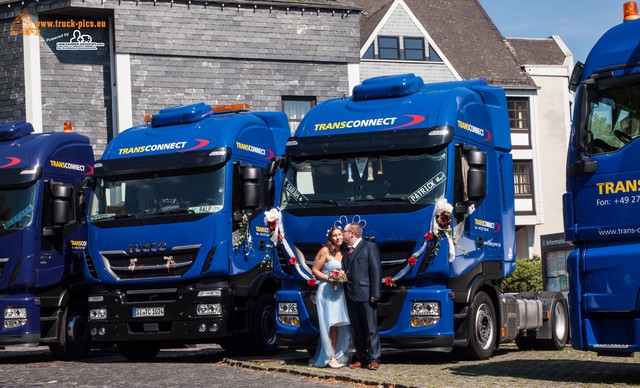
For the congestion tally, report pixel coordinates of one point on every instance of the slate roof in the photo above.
(465, 34)
(322, 4)
(530, 51)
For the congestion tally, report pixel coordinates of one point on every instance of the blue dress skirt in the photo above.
(332, 311)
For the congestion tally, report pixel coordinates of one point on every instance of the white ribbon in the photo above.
(132, 264)
(170, 262)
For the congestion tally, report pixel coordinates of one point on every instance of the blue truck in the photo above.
(43, 235)
(404, 159)
(601, 205)
(177, 247)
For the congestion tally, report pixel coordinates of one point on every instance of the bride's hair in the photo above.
(333, 248)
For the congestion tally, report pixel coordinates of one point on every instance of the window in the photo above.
(295, 108)
(433, 56)
(388, 48)
(522, 178)
(414, 49)
(518, 114)
(369, 53)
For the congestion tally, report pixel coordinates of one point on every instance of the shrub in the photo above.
(527, 276)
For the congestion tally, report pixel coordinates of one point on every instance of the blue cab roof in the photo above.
(617, 46)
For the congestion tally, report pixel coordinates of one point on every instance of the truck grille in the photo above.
(125, 266)
(394, 255)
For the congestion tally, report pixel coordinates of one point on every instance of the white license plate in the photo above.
(148, 312)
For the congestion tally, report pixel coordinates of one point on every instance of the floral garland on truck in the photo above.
(440, 228)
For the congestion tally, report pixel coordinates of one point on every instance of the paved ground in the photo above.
(208, 365)
(508, 368)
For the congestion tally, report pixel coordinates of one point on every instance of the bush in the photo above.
(527, 276)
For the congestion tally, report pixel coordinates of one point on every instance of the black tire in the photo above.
(74, 340)
(482, 327)
(263, 328)
(559, 322)
(139, 351)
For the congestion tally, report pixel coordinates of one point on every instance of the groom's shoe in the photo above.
(356, 364)
(374, 366)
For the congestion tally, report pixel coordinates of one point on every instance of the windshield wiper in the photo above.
(124, 215)
(329, 201)
(387, 199)
(175, 211)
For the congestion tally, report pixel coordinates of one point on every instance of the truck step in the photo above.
(612, 346)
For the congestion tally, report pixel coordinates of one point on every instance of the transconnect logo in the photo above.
(628, 186)
(487, 225)
(255, 150)
(375, 122)
(174, 146)
(72, 166)
(474, 129)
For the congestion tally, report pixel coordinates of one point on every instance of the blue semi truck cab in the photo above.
(42, 238)
(602, 202)
(177, 242)
(404, 159)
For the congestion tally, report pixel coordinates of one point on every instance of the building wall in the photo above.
(160, 81)
(12, 103)
(76, 84)
(554, 119)
(400, 24)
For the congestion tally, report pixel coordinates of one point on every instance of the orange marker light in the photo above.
(630, 11)
(230, 108)
(147, 117)
(67, 127)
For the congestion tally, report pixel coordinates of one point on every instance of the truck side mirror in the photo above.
(251, 187)
(61, 205)
(275, 164)
(477, 175)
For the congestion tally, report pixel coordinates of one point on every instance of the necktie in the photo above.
(350, 250)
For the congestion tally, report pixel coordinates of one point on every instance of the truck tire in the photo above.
(263, 331)
(74, 340)
(139, 351)
(559, 324)
(482, 327)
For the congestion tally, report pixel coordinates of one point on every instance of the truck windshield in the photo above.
(157, 195)
(365, 181)
(614, 115)
(17, 207)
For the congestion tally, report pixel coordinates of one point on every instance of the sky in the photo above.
(579, 23)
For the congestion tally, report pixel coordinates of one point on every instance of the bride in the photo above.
(333, 319)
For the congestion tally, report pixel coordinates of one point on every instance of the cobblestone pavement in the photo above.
(509, 367)
(201, 366)
(208, 365)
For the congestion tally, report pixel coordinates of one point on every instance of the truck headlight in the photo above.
(288, 314)
(95, 314)
(210, 293)
(287, 308)
(15, 317)
(209, 309)
(424, 313)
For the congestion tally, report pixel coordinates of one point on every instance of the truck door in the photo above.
(62, 238)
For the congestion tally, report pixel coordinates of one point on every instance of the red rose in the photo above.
(311, 282)
(279, 238)
(271, 225)
(428, 236)
(389, 282)
(292, 261)
(413, 260)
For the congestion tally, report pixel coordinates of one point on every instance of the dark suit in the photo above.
(364, 271)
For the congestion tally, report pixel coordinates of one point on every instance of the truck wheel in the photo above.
(482, 327)
(559, 324)
(263, 330)
(74, 340)
(139, 351)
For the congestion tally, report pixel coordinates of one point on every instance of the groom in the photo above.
(363, 268)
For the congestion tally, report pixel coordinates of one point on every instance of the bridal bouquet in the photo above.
(337, 276)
